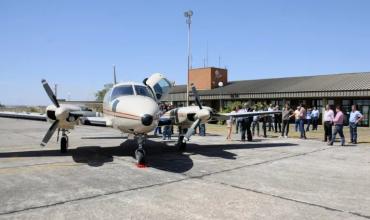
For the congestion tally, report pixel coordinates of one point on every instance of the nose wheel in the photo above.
(181, 144)
(140, 152)
(64, 142)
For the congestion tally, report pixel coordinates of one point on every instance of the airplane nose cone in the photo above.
(147, 119)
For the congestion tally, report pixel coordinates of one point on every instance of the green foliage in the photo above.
(99, 95)
(231, 106)
(1, 105)
(258, 106)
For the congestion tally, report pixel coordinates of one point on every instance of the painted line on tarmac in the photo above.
(292, 200)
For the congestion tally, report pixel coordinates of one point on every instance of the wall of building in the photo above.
(207, 78)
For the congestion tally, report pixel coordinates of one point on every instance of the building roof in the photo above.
(318, 83)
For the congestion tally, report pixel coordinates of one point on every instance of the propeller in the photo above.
(50, 93)
(49, 133)
(191, 130)
(196, 123)
(54, 126)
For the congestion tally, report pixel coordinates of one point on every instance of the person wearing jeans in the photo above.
(308, 119)
(315, 118)
(287, 114)
(338, 126)
(302, 119)
(296, 116)
(255, 124)
(354, 118)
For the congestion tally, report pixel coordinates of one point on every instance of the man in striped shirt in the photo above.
(338, 126)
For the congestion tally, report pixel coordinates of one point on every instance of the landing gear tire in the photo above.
(181, 144)
(140, 156)
(64, 144)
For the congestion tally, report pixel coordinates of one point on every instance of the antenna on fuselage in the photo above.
(114, 75)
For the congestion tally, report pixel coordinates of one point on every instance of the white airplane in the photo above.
(133, 108)
(130, 107)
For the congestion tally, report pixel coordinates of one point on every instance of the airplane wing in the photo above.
(24, 115)
(86, 117)
(225, 116)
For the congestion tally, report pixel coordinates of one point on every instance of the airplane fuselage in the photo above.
(129, 110)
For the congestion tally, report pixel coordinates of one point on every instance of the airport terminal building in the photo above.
(215, 90)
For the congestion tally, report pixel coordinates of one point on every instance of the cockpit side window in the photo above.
(143, 90)
(122, 91)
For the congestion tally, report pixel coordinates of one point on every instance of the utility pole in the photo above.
(188, 15)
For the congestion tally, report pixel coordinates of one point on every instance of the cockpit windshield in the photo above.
(121, 91)
(143, 90)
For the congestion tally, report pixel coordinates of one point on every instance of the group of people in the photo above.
(167, 129)
(337, 120)
(303, 117)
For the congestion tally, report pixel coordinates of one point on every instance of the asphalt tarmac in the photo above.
(214, 179)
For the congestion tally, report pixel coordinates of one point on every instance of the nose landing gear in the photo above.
(140, 152)
(181, 143)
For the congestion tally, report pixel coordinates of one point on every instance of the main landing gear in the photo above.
(140, 152)
(181, 143)
(64, 142)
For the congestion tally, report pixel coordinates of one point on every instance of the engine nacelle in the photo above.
(62, 114)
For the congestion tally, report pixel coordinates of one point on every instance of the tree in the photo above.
(99, 95)
(1, 105)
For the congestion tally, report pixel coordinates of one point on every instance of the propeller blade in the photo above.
(50, 93)
(190, 131)
(49, 133)
(197, 99)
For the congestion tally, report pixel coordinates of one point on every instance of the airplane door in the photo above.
(159, 85)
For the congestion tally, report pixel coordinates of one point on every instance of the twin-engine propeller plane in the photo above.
(129, 107)
(133, 108)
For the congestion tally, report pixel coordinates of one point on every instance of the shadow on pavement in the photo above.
(159, 155)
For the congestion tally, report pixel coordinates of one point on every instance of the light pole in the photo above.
(188, 15)
(220, 84)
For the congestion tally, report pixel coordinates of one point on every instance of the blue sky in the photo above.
(74, 43)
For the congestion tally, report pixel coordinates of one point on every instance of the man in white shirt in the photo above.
(328, 122)
(354, 118)
(315, 118)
